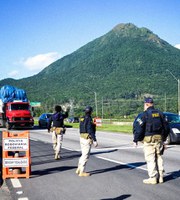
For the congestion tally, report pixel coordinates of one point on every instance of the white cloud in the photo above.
(40, 61)
(26, 67)
(177, 46)
(13, 73)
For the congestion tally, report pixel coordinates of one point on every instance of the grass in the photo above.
(105, 127)
(108, 127)
(116, 128)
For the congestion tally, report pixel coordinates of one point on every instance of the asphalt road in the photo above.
(117, 169)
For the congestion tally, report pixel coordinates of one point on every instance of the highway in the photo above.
(117, 171)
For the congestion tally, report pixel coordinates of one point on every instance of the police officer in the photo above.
(152, 129)
(87, 138)
(58, 129)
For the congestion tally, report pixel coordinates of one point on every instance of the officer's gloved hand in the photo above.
(95, 144)
(68, 109)
(48, 130)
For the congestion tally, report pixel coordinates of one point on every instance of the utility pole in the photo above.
(178, 81)
(95, 99)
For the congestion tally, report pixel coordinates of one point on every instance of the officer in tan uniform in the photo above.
(152, 128)
(87, 138)
(58, 129)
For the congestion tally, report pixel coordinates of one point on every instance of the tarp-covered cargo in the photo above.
(20, 94)
(9, 93)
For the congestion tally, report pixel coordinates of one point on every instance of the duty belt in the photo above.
(85, 136)
(153, 138)
(58, 130)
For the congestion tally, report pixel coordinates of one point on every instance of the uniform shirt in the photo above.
(138, 129)
(57, 119)
(150, 122)
(87, 126)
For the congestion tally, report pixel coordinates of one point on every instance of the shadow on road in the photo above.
(118, 167)
(124, 196)
(172, 175)
(103, 151)
(37, 173)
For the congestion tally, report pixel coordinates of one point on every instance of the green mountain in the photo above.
(125, 64)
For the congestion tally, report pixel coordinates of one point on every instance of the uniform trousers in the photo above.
(57, 140)
(153, 158)
(85, 150)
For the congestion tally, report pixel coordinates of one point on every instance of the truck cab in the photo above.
(18, 114)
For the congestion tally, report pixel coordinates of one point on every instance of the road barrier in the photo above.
(16, 155)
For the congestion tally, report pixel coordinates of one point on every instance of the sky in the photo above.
(35, 33)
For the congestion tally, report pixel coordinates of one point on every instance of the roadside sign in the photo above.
(16, 155)
(15, 144)
(15, 162)
(35, 104)
(98, 121)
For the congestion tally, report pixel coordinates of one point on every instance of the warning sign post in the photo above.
(98, 121)
(16, 155)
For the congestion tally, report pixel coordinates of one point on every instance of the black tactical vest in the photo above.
(83, 128)
(154, 124)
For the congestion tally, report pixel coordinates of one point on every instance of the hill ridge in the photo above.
(125, 63)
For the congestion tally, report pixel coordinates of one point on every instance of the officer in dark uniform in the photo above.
(58, 129)
(152, 129)
(87, 138)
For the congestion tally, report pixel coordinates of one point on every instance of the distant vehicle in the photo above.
(174, 123)
(73, 120)
(43, 120)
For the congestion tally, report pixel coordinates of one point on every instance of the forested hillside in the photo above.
(120, 67)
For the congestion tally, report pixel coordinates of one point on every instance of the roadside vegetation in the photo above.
(117, 70)
(110, 127)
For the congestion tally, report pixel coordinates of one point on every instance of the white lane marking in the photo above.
(16, 183)
(34, 139)
(111, 160)
(121, 163)
(104, 149)
(19, 192)
(70, 149)
(114, 148)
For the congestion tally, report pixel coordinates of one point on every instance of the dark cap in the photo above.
(88, 109)
(148, 100)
